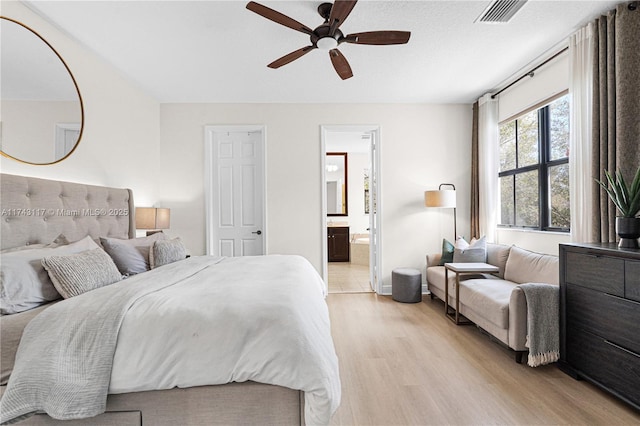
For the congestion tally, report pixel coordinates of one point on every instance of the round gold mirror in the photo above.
(42, 113)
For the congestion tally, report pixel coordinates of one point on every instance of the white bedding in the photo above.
(260, 318)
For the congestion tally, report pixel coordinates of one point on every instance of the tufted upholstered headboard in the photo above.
(35, 211)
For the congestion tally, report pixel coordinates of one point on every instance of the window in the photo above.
(534, 169)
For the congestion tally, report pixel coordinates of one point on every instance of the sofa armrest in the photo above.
(517, 320)
(433, 259)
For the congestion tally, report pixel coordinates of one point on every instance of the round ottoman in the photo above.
(406, 285)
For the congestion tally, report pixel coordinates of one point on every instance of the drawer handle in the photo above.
(592, 254)
(622, 348)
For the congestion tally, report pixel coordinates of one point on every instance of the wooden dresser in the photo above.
(600, 317)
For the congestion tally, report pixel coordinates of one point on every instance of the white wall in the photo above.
(119, 146)
(542, 242)
(421, 146)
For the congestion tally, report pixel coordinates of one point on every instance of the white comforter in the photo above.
(258, 318)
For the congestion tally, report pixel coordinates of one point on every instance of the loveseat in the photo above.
(495, 303)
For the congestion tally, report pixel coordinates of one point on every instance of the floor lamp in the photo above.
(443, 198)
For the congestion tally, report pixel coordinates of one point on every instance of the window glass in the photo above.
(507, 209)
(528, 139)
(534, 168)
(559, 196)
(527, 199)
(508, 146)
(559, 128)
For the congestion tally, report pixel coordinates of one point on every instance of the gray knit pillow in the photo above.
(78, 273)
(166, 251)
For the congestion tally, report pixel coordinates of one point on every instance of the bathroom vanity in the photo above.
(338, 243)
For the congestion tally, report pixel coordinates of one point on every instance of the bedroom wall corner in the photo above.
(120, 142)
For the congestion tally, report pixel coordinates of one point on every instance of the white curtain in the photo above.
(488, 181)
(581, 94)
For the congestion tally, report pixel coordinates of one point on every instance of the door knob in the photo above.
(259, 232)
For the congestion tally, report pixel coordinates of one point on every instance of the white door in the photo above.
(235, 190)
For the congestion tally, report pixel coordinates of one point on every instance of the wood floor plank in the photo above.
(406, 364)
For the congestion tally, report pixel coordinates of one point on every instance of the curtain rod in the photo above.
(530, 73)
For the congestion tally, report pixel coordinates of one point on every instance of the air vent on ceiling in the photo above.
(500, 11)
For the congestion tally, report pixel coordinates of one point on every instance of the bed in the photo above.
(239, 362)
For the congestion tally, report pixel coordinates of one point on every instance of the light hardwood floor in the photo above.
(405, 364)
(346, 277)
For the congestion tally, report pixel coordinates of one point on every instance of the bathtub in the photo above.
(360, 249)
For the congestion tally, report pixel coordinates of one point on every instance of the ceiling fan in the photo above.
(327, 36)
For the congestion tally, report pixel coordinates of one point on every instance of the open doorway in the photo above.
(350, 208)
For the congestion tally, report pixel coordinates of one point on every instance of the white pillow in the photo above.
(473, 252)
(24, 283)
(81, 272)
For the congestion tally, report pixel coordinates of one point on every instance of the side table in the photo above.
(461, 269)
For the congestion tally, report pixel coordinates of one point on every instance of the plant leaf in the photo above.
(614, 193)
(623, 189)
(625, 198)
(635, 185)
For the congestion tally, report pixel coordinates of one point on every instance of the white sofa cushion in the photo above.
(488, 298)
(497, 255)
(524, 266)
(435, 277)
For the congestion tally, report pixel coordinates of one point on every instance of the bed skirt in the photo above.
(230, 404)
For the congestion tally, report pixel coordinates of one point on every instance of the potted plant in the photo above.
(627, 201)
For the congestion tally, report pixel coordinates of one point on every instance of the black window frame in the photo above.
(543, 166)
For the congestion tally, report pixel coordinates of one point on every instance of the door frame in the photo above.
(371, 128)
(210, 170)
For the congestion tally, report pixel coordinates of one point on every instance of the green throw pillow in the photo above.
(447, 252)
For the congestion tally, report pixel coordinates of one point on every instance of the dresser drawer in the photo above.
(620, 373)
(611, 317)
(596, 272)
(632, 277)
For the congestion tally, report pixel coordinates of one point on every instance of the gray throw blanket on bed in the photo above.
(63, 364)
(543, 325)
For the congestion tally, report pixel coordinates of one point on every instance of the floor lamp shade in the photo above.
(445, 199)
(152, 218)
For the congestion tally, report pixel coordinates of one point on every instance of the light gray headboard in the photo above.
(36, 211)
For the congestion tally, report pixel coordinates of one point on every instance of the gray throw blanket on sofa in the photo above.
(543, 325)
(63, 364)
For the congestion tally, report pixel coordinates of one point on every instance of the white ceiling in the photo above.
(217, 51)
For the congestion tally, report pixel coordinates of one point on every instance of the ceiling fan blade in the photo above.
(339, 12)
(290, 57)
(379, 37)
(340, 64)
(278, 17)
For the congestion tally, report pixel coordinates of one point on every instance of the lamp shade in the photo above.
(444, 198)
(152, 218)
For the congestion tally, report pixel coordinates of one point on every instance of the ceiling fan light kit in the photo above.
(327, 43)
(327, 36)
